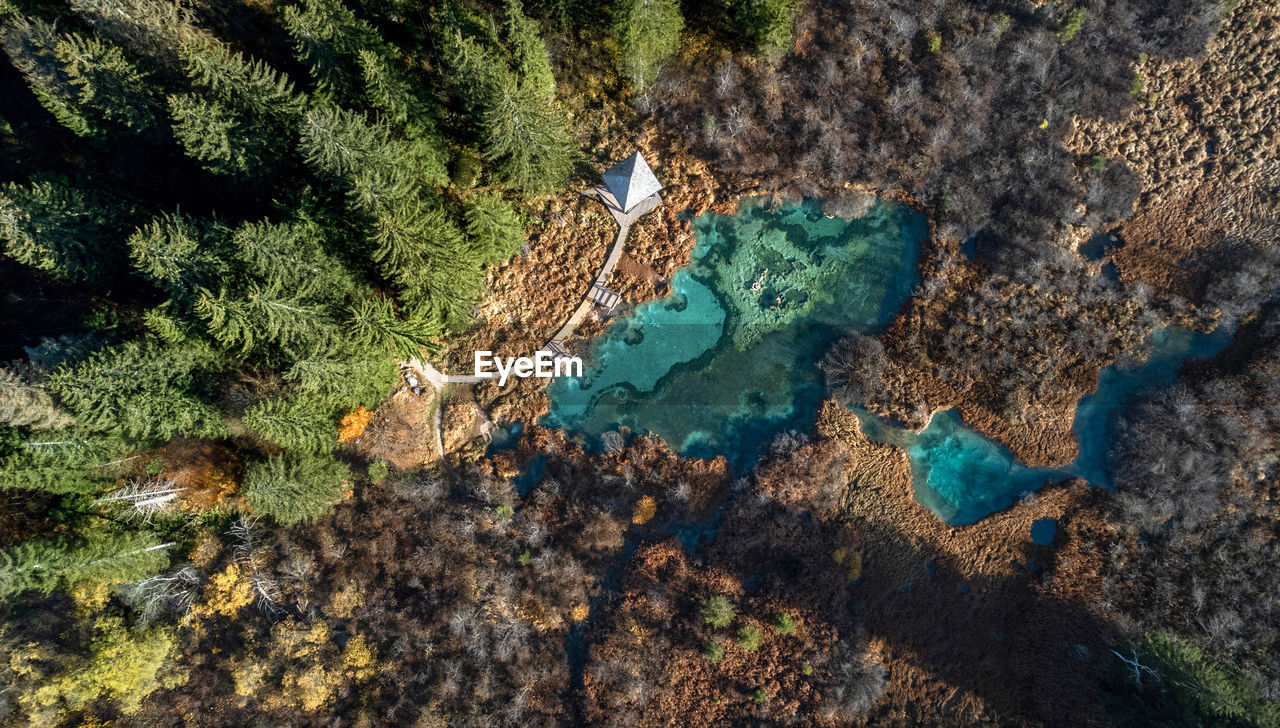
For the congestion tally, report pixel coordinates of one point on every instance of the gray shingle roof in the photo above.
(631, 181)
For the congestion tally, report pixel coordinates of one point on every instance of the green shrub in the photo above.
(378, 471)
(760, 696)
(718, 612)
(749, 637)
(713, 651)
(784, 625)
(1071, 25)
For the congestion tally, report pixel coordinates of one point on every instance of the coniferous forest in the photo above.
(229, 228)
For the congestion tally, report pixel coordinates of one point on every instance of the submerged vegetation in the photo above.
(223, 224)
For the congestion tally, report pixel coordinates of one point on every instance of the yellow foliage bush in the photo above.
(345, 601)
(225, 595)
(644, 510)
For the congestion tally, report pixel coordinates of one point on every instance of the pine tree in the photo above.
(23, 404)
(374, 325)
(293, 489)
(296, 424)
(100, 556)
(57, 227)
(528, 51)
(494, 227)
(143, 390)
(530, 141)
(647, 31)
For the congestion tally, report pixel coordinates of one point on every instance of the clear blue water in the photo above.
(963, 476)
(727, 361)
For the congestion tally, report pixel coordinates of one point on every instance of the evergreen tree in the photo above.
(342, 144)
(214, 135)
(530, 141)
(291, 256)
(374, 325)
(528, 51)
(65, 461)
(256, 317)
(30, 44)
(177, 254)
(327, 36)
(117, 92)
(57, 227)
(143, 390)
(101, 556)
(345, 380)
(647, 32)
(246, 117)
(476, 76)
(494, 227)
(293, 489)
(766, 24)
(87, 84)
(23, 404)
(296, 424)
(155, 29)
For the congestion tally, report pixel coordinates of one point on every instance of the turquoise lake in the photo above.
(727, 361)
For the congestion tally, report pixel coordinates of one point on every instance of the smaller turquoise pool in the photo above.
(963, 476)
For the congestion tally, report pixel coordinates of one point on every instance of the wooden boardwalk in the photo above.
(599, 293)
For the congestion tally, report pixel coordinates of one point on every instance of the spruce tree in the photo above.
(178, 254)
(375, 326)
(291, 256)
(647, 32)
(142, 390)
(494, 227)
(529, 139)
(528, 52)
(349, 379)
(296, 423)
(64, 461)
(327, 37)
(101, 556)
(55, 226)
(117, 92)
(293, 489)
(258, 318)
(476, 75)
(244, 119)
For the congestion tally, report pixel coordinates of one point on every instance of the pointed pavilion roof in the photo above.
(631, 181)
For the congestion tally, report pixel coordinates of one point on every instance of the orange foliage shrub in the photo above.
(353, 424)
